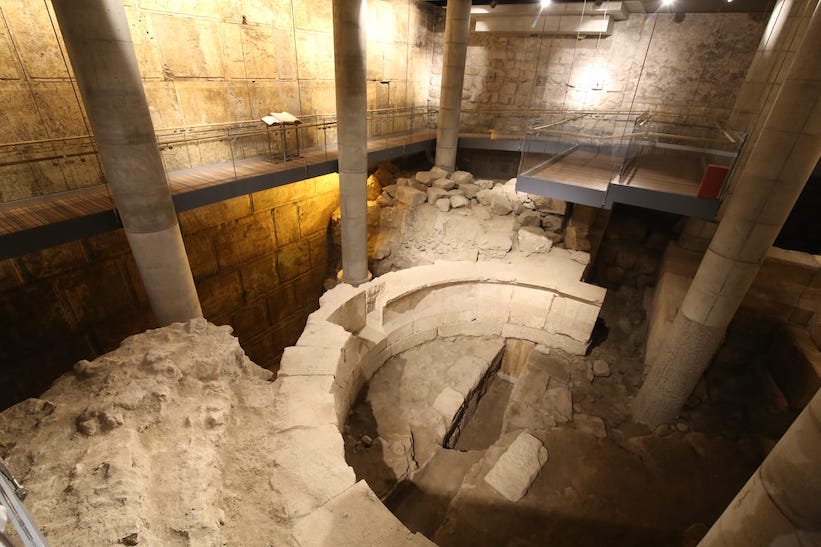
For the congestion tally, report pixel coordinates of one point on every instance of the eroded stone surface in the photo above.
(174, 413)
(418, 393)
(461, 219)
(518, 467)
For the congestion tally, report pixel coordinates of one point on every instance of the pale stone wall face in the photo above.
(693, 66)
(204, 62)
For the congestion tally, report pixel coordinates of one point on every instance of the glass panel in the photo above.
(657, 151)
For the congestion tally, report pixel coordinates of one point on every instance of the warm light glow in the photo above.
(666, 2)
(544, 3)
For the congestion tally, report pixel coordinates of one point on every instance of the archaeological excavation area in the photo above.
(320, 273)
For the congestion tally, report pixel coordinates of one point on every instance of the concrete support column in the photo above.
(767, 71)
(352, 131)
(102, 55)
(457, 30)
(780, 162)
(779, 505)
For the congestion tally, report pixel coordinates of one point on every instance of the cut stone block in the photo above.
(309, 361)
(355, 517)
(304, 401)
(532, 239)
(303, 484)
(410, 196)
(448, 403)
(573, 318)
(495, 241)
(518, 467)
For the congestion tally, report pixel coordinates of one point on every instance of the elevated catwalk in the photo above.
(667, 162)
(36, 223)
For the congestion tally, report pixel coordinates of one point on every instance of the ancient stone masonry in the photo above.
(435, 215)
(148, 394)
(258, 262)
(207, 62)
(693, 66)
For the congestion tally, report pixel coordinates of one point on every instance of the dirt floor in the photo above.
(626, 484)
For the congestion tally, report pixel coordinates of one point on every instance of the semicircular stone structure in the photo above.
(356, 330)
(177, 438)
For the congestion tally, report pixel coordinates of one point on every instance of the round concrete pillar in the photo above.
(98, 42)
(352, 134)
(779, 505)
(457, 31)
(780, 162)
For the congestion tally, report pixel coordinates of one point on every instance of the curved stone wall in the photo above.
(356, 330)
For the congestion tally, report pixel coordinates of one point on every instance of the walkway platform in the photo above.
(31, 224)
(668, 179)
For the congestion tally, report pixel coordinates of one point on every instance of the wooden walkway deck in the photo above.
(21, 215)
(676, 172)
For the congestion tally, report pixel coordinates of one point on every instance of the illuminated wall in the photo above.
(693, 63)
(258, 261)
(205, 62)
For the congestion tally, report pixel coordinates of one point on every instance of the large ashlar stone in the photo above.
(518, 467)
(355, 517)
(572, 318)
(532, 239)
(410, 196)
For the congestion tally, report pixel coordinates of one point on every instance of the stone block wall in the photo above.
(356, 330)
(258, 261)
(206, 62)
(694, 66)
(779, 314)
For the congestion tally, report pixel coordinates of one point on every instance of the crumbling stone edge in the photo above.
(357, 329)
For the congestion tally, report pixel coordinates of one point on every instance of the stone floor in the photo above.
(607, 481)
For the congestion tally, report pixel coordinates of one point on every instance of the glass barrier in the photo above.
(657, 151)
(56, 179)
